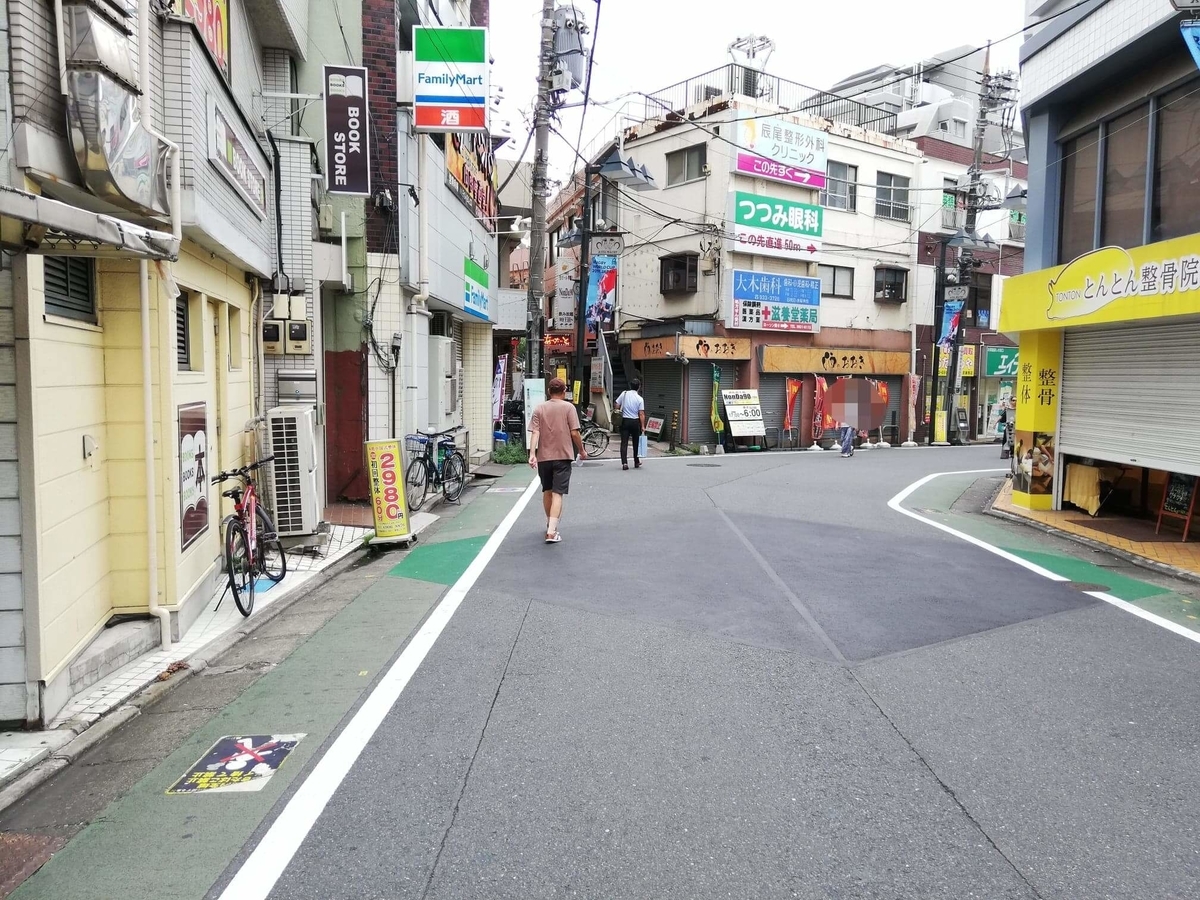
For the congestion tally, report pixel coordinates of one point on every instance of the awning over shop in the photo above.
(38, 224)
(833, 360)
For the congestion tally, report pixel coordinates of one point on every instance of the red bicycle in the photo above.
(252, 547)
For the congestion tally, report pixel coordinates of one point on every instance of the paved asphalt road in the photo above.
(747, 677)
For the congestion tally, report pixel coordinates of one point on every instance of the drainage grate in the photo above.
(1084, 586)
(703, 466)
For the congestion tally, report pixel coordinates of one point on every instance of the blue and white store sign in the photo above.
(766, 302)
(476, 300)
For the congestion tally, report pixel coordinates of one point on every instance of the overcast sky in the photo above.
(645, 45)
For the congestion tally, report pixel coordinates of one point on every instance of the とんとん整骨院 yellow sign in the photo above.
(1107, 285)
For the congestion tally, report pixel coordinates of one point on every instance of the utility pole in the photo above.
(966, 260)
(535, 314)
(585, 240)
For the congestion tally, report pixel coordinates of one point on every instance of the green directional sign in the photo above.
(1000, 362)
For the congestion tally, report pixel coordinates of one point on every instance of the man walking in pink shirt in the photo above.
(554, 441)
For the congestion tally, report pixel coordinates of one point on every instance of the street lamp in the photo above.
(963, 241)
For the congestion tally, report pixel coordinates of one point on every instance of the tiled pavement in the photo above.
(1167, 550)
(20, 751)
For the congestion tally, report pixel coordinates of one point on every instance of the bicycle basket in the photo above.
(415, 443)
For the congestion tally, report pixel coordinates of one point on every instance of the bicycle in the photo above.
(252, 547)
(595, 439)
(437, 463)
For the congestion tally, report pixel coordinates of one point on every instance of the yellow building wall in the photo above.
(89, 515)
(1034, 441)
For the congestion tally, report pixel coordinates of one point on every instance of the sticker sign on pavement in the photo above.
(237, 763)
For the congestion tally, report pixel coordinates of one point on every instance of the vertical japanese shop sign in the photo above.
(781, 151)
(385, 469)
(471, 175)
(347, 118)
(193, 472)
(212, 21)
(450, 79)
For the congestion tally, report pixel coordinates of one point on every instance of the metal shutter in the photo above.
(662, 389)
(772, 394)
(699, 427)
(68, 286)
(1130, 395)
(895, 386)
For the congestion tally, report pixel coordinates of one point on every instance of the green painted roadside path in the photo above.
(1174, 600)
(148, 844)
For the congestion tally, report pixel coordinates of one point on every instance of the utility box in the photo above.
(299, 337)
(297, 387)
(443, 384)
(272, 337)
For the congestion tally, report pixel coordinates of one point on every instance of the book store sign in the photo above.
(233, 160)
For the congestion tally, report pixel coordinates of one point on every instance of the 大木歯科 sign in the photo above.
(347, 131)
(763, 301)
(450, 79)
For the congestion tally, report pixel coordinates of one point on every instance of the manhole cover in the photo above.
(703, 466)
(1085, 586)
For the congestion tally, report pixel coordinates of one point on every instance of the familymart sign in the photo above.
(450, 79)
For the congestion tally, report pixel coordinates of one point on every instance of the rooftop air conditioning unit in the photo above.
(702, 93)
(292, 434)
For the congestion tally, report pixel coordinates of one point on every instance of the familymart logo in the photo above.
(450, 79)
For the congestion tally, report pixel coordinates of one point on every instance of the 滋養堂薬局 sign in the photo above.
(450, 79)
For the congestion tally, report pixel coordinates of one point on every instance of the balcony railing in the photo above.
(953, 217)
(768, 90)
(1016, 231)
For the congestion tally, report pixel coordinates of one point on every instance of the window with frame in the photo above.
(1111, 188)
(979, 300)
(891, 196)
(607, 208)
(552, 247)
(679, 273)
(841, 186)
(891, 285)
(183, 336)
(836, 281)
(686, 164)
(70, 287)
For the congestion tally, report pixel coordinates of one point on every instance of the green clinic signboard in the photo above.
(1000, 362)
(771, 226)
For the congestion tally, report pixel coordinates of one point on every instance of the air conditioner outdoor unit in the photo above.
(702, 93)
(443, 401)
(292, 433)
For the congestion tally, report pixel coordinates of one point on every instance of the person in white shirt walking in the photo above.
(633, 422)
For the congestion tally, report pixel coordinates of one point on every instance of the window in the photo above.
(954, 202)
(891, 285)
(1176, 165)
(1077, 229)
(234, 336)
(979, 301)
(687, 164)
(69, 288)
(836, 281)
(841, 187)
(1123, 214)
(608, 205)
(183, 337)
(679, 274)
(552, 257)
(891, 197)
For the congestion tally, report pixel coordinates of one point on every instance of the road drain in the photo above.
(1084, 586)
(703, 466)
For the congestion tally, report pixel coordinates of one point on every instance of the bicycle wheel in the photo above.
(454, 476)
(239, 567)
(272, 561)
(416, 483)
(595, 441)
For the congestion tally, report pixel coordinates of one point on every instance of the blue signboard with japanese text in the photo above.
(763, 301)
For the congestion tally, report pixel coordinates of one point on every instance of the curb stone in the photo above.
(1152, 565)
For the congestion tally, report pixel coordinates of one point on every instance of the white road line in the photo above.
(895, 503)
(261, 870)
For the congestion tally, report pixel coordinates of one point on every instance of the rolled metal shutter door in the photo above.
(1131, 394)
(895, 384)
(772, 394)
(662, 389)
(700, 430)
